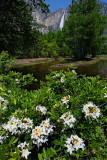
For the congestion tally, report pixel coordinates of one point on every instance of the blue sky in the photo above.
(56, 4)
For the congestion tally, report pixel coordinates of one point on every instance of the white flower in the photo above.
(40, 133)
(17, 81)
(105, 87)
(74, 143)
(91, 110)
(73, 71)
(57, 75)
(62, 80)
(68, 119)
(9, 91)
(1, 139)
(25, 153)
(23, 145)
(17, 126)
(105, 95)
(41, 109)
(23, 148)
(3, 103)
(65, 100)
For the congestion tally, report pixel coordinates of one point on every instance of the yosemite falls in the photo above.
(62, 21)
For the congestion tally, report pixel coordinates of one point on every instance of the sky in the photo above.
(56, 4)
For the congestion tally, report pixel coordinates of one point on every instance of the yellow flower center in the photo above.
(67, 119)
(47, 123)
(38, 130)
(76, 143)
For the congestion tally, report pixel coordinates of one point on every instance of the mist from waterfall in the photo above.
(62, 21)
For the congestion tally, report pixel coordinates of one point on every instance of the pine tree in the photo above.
(84, 28)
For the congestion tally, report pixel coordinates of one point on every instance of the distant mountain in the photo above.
(51, 21)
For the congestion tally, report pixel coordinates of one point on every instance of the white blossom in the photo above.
(91, 110)
(105, 95)
(74, 143)
(17, 81)
(23, 148)
(68, 119)
(73, 71)
(17, 126)
(40, 133)
(65, 100)
(41, 109)
(3, 103)
(62, 79)
(25, 153)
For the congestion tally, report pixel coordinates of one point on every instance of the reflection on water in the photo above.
(99, 68)
(41, 70)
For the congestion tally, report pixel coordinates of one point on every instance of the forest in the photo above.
(81, 36)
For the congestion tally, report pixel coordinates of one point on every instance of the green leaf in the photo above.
(56, 142)
(11, 141)
(11, 154)
(53, 150)
(15, 140)
(40, 156)
(14, 101)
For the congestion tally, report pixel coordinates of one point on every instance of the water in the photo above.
(62, 21)
(41, 70)
(99, 68)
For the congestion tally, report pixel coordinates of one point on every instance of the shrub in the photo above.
(6, 63)
(64, 119)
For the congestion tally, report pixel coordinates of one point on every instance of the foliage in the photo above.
(64, 92)
(16, 33)
(50, 49)
(6, 63)
(15, 24)
(84, 28)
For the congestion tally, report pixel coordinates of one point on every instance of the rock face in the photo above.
(103, 8)
(51, 21)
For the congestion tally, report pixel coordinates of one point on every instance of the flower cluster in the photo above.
(40, 133)
(23, 148)
(65, 100)
(68, 119)
(17, 126)
(41, 109)
(91, 110)
(74, 143)
(3, 103)
(60, 77)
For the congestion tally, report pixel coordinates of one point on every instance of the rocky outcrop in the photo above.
(53, 20)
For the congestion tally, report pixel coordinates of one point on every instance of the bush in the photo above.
(6, 63)
(64, 119)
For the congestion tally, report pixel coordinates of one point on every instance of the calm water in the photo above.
(41, 70)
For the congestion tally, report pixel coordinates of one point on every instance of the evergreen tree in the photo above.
(84, 28)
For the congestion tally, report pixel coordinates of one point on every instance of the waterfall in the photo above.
(62, 21)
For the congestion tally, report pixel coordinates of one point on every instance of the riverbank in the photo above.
(59, 63)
